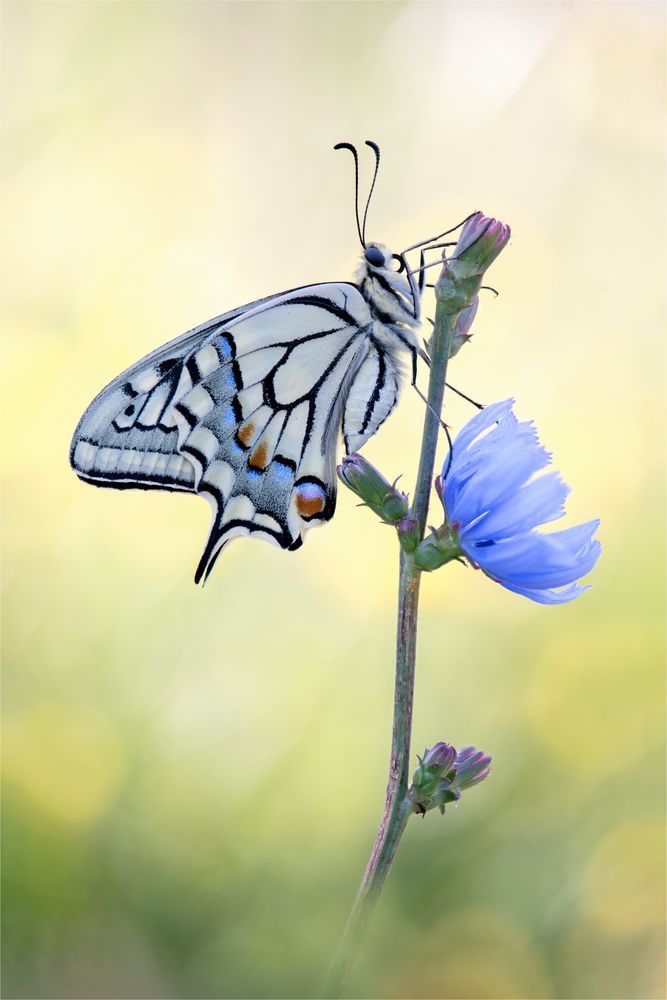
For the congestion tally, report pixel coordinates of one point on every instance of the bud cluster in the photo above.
(443, 773)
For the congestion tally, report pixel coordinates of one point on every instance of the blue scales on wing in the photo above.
(246, 410)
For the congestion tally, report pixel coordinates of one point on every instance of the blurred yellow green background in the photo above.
(192, 778)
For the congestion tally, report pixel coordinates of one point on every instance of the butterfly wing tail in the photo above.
(209, 557)
(257, 509)
(237, 519)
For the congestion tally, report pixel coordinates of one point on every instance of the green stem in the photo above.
(440, 349)
(398, 806)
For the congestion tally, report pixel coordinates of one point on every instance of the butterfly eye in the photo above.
(374, 256)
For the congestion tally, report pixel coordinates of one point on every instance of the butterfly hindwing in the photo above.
(263, 428)
(373, 395)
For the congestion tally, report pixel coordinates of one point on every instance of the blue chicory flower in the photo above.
(494, 502)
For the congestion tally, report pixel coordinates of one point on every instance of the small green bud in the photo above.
(439, 547)
(390, 504)
(432, 780)
(408, 533)
(394, 506)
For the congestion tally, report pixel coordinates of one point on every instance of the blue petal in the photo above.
(569, 593)
(479, 423)
(505, 429)
(470, 458)
(501, 472)
(532, 559)
(539, 502)
(492, 465)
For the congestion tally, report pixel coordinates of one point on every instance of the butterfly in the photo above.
(248, 408)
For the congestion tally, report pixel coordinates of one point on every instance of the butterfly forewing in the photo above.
(128, 435)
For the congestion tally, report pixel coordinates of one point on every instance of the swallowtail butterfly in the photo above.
(247, 409)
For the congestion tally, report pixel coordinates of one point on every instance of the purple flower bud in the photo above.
(390, 504)
(440, 755)
(481, 240)
(472, 766)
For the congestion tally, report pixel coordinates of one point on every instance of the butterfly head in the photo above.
(377, 260)
(382, 280)
(376, 255)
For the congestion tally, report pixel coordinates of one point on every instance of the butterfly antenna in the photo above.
(376, 149)
(348, 145)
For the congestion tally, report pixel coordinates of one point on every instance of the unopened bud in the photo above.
(472, 766)
(433, 778)
(408, 533)
(439, 547)
(390, 504)
(440, 755)
(480, 242)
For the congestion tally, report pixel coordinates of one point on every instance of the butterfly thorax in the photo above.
(393, 302)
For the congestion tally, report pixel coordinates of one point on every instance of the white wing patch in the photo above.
(246, 410)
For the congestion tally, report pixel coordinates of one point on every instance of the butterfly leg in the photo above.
(480, 406)
(422, 271)
(415, 288)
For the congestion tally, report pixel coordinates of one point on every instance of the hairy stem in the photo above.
(398, 806)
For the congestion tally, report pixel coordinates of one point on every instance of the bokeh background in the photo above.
(193, 777)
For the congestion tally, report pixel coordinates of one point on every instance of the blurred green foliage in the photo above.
(192, 778)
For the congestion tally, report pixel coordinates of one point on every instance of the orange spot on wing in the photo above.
(245, 433)
(309, 506)
(259, 458)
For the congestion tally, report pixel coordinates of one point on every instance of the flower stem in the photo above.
(398, 806)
